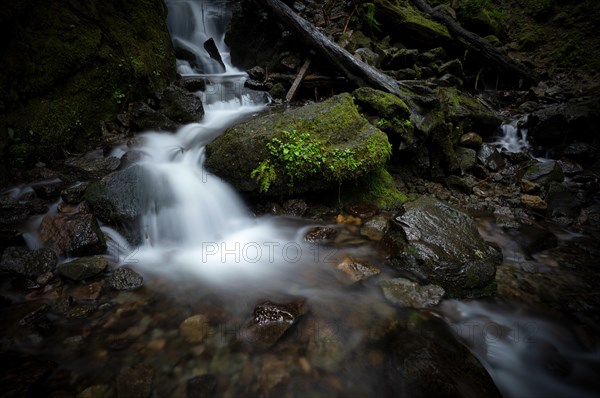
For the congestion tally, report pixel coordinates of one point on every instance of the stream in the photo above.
(203, 252)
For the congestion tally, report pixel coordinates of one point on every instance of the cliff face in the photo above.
(67, 65)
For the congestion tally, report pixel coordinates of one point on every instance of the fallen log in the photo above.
(481, 47)
(351, 67)
(292, 92)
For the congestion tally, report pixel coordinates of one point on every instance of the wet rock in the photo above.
(544, 172)
(375, 227)
(125, 279)
(22, 314)
(533, 202)
(335, 123)
(23, 375)
(321, 234)
(83, 268)
(74, 234)
(405, 293)
(505, 217)
(142, 118)
(533, 239)
(180, 106)
(257, 85)
(400, 59)
(135, 382)
(193, 84)
(529, 187)
(579, 151)
(489, 156)
(448, 80)
(96, 391)
(202, 386)
(444, 244)
(194, 329)
(570, 167)
(471, 140)
(29, 263)
(17, 210)
(125, 195)
(326, 348)
(562, 203)
(91, 291)
(357, 270)
(529, 106)
(467, 157)
(256, 73)
(362, 210)
(74, 193)
(270, 322)
(91, 166)
(295, 207)
(458, 184)
(426, 360)
(48, 190)
(453, 67)
(575, 120)
(273, 371)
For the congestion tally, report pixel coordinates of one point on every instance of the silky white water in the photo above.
(514, 138)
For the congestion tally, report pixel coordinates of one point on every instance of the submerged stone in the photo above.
(443, 244)
(83, 268)
(405, 293)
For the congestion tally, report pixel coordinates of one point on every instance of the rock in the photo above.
(453, 67)
(443, 244)
(201, 386)
(91, 291)
(72, 235)
(505, 217)
(375, 227)
(29, 263)
(467, 157)
(458, 184)
(270, 321)
(17, 210)
(427, 360)
(23, 374)
(333, 144)
(321, 234)
(380, 103)
(469, 112)
(544, 172)
(529, 187)
(362, 210)
(180, 106)
(257, 85)
(193, 84)
(404, 74)
(579, 151)
(294, 207)
(562, 203)
(576, 120)
(400, 59)
(96, 391)
(123, 196)
(48, 189)
(194, 329)
(471, 140)
(135, 382)
(529, 106)
(143, 118)
(489, 156)
(83, 268)
(91, 166)
(327, 348)
(405, 293)
(448, 80)
(570, 167)
(533, 239)
(256, 73)
(533, 202)
(367, 56)
(74, 193)
(357, 270)
(125, 279)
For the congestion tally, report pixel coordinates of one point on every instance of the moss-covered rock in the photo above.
(377, 187)
(404, 23)
(468, 112)
(66, 65)
(309, 148)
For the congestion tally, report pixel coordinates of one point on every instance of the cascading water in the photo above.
(514, 138)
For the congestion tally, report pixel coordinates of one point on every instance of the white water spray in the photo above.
(514, 138)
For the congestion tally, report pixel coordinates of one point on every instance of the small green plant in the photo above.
(298, 154)
(265, 175)
(369, 16)
(384, 123)
(342, 161)
(118, 96)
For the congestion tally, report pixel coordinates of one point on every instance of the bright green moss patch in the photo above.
(377, 187)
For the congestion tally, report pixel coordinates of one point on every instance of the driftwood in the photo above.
(351, 67)
(480, 46)
(292, 91)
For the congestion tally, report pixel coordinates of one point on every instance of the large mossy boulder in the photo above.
(442, 245)
(313, 147)
(67, 65)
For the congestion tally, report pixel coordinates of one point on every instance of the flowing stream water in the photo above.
(200, 238)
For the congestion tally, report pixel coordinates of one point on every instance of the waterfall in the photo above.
(203, 228)
(513, 139)
(193, 22)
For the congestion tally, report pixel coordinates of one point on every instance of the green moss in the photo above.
(377, 102)
(377, 187)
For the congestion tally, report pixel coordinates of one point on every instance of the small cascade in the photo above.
(192, 23)
(514, 138)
